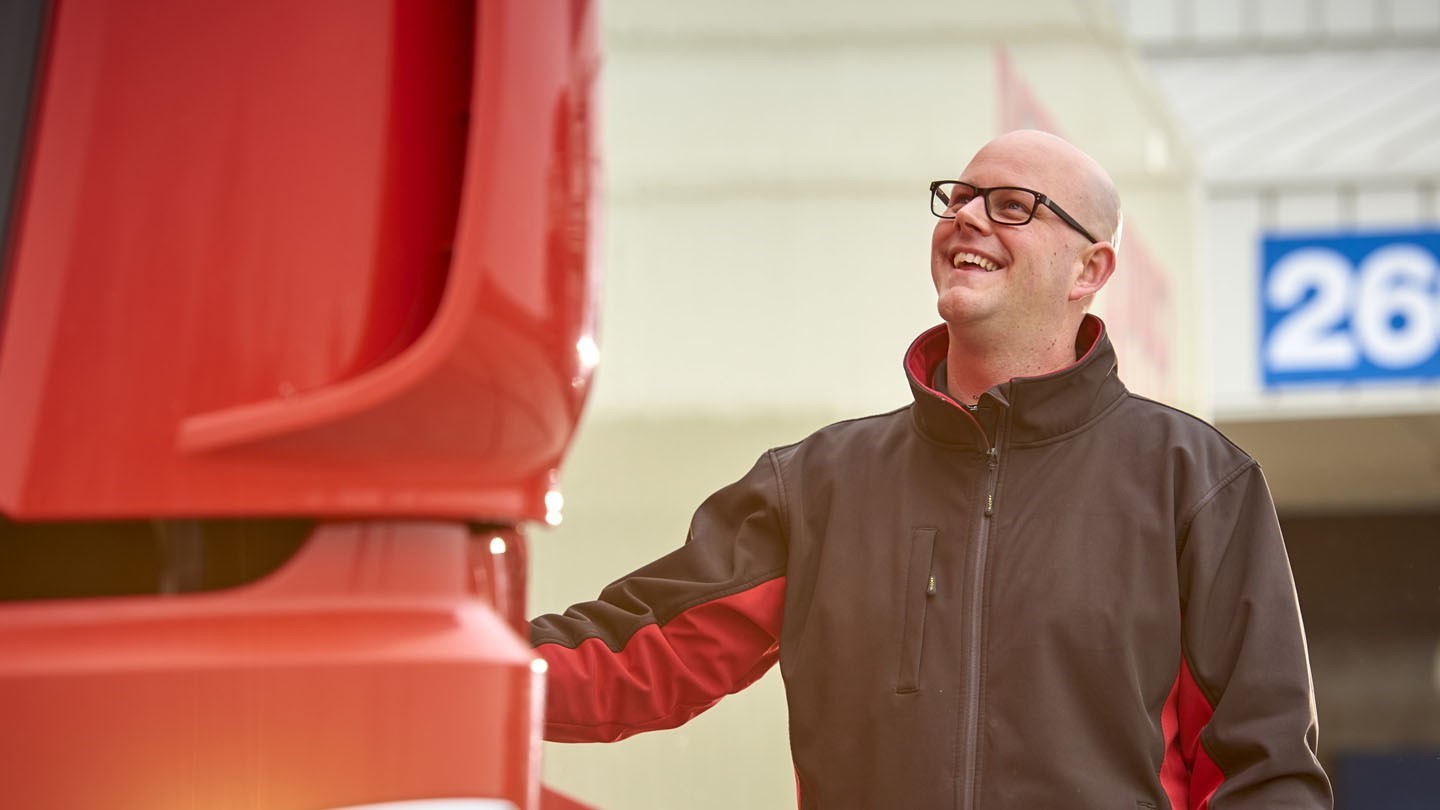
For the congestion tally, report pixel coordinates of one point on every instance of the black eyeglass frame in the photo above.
(1040, 199)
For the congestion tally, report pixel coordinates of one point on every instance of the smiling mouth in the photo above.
(981, 262)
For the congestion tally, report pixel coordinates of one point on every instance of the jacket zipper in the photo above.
(977, 600)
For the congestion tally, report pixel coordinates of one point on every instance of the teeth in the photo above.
(979, 261)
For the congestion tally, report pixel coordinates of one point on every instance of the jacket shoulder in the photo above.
(1182, 428)
(1200, 460)
(838, 437)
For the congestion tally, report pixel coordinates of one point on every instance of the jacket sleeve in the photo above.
(1244, 647)
(668, 641)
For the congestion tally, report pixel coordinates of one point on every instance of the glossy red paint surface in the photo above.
(370, 668)
(328, 260)
(321, 258)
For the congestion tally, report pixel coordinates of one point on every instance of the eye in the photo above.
(959, 196)
(1012, 204)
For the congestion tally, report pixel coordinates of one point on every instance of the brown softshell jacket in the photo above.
(1071, 597)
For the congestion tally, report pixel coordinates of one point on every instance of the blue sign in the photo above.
(1354, 308)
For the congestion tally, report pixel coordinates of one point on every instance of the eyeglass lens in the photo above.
(1012, 206)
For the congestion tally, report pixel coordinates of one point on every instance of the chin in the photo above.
(955, 306)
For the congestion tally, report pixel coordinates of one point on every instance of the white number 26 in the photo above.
(1386, 311)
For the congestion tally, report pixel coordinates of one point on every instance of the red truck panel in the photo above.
(328, 262)
(321, 258)
(365, 670)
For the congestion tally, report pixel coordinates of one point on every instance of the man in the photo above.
(1027, 589)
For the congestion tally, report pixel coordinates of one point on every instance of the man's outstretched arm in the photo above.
(668, 641)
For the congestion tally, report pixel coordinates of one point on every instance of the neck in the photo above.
(977, 363)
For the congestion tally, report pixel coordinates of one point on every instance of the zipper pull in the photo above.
(994, 457)
(930, 589)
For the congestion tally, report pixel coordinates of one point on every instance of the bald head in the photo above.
(1035, 283)
(1071, 178)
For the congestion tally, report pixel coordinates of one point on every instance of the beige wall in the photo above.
(767, 264)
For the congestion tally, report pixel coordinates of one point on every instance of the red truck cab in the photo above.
(296, 324)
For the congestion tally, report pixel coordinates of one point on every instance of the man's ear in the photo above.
(1097, 263)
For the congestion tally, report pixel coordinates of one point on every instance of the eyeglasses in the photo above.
(1006, 205)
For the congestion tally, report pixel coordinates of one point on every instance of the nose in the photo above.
(973, 214)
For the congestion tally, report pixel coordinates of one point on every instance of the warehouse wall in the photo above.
(767, 248)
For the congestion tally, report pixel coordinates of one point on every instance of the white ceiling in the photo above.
(1304, 96)
(1366, 117)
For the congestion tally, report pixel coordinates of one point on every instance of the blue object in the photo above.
(1388, 781)
(1353, 308)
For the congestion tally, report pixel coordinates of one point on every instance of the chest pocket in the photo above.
(917, 586)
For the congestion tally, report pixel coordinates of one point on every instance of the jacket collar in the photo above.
(1035, 409)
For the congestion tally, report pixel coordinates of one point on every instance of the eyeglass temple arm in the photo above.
(1069, 220)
